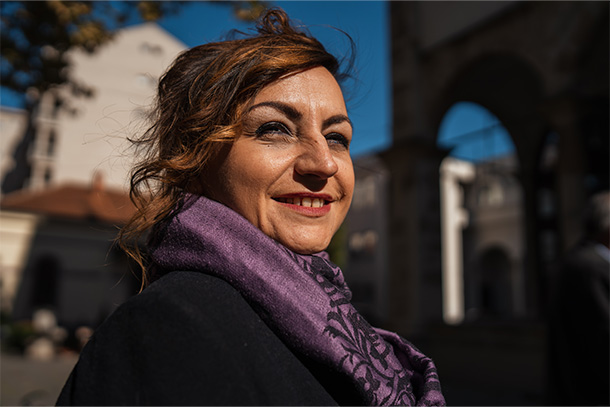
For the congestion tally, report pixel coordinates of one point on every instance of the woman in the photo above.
(248, 177)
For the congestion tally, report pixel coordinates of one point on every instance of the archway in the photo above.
(512, 91)
(482, 203)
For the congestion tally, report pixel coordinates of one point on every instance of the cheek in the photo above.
(348, 180)
(239, 182)
(249, 174)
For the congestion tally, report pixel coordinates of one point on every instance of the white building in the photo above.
(12, 126)
(90, 134)
(81, 148)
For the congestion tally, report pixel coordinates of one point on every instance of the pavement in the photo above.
(27, 382)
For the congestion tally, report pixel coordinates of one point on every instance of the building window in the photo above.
(56, 107)
(363, 242)
(48, 175)
(51, 143)
(148, 48)
(45, 278)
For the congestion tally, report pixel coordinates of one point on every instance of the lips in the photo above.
(308, 204)
(306, 201)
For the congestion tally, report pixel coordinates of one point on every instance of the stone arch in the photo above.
(473, 133)
(506, 85)
(511, 88)
(539, 67)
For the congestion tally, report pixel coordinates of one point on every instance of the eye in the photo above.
(272, 129)
(337, 140)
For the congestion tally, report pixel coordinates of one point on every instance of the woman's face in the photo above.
(290, 173)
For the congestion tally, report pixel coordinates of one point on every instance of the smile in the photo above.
(305, 204)
(307, 201)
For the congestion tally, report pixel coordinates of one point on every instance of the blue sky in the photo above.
(473, 133)
(369, 96)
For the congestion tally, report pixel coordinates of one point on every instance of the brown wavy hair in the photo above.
(198, 109)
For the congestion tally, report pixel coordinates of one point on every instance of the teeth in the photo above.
(308, 202)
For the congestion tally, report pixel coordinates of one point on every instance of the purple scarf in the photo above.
(303, 299)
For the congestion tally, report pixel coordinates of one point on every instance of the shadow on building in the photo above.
(59, 256)
(465, 251)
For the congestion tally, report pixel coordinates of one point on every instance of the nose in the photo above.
(316, 160)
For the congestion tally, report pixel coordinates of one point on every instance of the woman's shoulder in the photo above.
(186, 304)
(186, 291)
(189, 338)
(182, 286)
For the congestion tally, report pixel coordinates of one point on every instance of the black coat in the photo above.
(192, 339)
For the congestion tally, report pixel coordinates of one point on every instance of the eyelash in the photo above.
(277, 128)
(339, 138)
(272, 128)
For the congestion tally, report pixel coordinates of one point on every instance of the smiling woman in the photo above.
(290, 173)
(246, 179)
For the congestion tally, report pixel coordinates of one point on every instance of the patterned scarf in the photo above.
(303, 299)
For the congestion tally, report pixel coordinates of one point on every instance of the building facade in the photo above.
(75, 137)
(72, 170)
(542, 69)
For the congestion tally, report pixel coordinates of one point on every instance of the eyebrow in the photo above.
(294, 114)
(336, 119)
(288, 110)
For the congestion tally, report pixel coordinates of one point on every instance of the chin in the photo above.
(301, 247)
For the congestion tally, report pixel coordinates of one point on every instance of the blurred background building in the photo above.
(64, 183)
(471, 239)
(450, 242)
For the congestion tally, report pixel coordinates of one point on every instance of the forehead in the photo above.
(312, 87)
